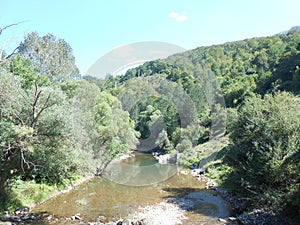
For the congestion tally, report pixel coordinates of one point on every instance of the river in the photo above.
(113, 197)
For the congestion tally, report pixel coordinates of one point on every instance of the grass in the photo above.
(21, 193)
(25, 194)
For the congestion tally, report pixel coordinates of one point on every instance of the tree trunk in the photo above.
(100, 170)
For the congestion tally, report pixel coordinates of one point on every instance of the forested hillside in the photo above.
(259, 81)
(242, 95)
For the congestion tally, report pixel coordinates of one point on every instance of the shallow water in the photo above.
(104, 197)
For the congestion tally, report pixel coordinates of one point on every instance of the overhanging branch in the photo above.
(10, 25)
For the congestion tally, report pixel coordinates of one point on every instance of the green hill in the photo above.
(246, 90)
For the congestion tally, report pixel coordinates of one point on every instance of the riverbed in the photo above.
(112, 199)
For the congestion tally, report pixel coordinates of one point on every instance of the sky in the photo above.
(94, 28)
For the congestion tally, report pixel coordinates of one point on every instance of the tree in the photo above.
(265, 139)
(115, 130)
(50, 55)
(34, 132)
(83, 97)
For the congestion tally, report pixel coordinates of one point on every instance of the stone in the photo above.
(15, 219)
(202, 171)
(77, 217)
(184, 172)
(6, 216)
(231, 218)
(222, 220)
(25, 217)
(139, 222)
(163, 159)
(17, 212)
(49, 217)
(33, 217)
(102, 219)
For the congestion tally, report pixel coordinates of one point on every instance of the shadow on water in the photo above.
(199, 200)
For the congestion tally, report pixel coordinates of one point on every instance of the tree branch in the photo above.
(13, 53)
(45, 106)
(23, 160)
(10, 25)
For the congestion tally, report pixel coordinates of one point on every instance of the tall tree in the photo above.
(116, 134)
(51, 56)
(83, 97)
(35, 131)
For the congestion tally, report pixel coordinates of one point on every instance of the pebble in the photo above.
(184, 172)
(102, 219)
(222, 220)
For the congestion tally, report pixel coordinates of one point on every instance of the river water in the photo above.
(114, 197)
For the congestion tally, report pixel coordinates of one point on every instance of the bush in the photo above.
(264, 153)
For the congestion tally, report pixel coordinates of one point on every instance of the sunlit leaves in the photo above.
(265, 138)
(51, 56)
(115, 130)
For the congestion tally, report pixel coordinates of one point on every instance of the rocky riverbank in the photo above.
(255, 217)
(171, 211)
(163, 213)
(25, 216)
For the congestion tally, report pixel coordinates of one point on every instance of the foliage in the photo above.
(51, 56)
(36, 128)
(186, 153)
(54, 125)
(115, 131)
(36, 141)
(265, 148)
(24, 68)
(83, 97)
(25, 193)
(253, 65)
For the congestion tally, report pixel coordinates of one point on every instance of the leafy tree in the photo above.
(50, 55)
(115, 130)
(36, 141)
(83, 97)
(99, 82)
(265, 139)
(24, 68)
(187, 154)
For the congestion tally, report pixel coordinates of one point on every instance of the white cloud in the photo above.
(178, 17)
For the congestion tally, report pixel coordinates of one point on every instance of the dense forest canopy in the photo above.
(54, 125)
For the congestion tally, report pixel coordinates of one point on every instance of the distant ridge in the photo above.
(293, 28)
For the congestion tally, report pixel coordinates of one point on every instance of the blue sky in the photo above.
(93, 28)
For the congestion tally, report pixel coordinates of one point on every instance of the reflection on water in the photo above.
(102, 197)
(140, 170)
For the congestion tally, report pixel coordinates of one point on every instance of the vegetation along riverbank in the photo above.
(57, 126)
